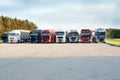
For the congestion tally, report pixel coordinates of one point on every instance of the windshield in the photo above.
(59, 33)
(85, 33)
(45, 33)
(100, 33)
(73, 34)
(12, 34)
(5, 34)
(34, 32)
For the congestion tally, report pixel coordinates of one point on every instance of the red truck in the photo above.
(47, 36)
(85, 35)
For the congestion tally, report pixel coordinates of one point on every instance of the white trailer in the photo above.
(99, 35)
(60, 36)
(73, 36)
(16, 36)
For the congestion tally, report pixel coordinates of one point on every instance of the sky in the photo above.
(65, 14)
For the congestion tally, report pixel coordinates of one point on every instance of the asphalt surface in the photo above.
(75, 61)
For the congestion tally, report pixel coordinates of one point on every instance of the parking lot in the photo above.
(58, 50)
(69, 61)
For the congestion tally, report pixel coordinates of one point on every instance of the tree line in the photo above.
(7, 24)
(113, 33)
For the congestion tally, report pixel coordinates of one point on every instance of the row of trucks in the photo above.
(52, 36)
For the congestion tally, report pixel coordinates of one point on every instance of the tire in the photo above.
(18, 41)
(94, 40)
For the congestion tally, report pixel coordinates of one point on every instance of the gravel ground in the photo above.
(58, 50)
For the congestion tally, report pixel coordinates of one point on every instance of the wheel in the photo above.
(94, 40)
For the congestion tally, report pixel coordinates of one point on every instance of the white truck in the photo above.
(17, 36)
(60, 36)
(73, 36)
(99, 35)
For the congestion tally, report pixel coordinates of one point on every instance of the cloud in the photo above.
(6, 3)
(9, 3)
(64, 12)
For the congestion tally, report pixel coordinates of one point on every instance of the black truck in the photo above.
(35, 36)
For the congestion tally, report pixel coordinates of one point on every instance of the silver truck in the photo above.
(99, 35)
(73, 36)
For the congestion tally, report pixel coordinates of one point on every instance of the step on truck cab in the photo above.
(73, 36)
(35, 36)
(60, 36)
(99, 35)
(48, 36)
(85, 35)
(16, 36)
(4, 37)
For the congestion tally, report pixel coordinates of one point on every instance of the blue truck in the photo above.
(4, 37)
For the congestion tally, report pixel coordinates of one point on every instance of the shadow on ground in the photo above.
(60, 68)
(112, 45)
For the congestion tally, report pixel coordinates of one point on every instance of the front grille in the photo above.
(60, 39)
(73, 38)
(45, 40)
(11, 38)
(85, 39)
(101, 40)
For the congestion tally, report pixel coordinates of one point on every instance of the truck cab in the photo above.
(73, 36)
(60, 36)
(16, 36)
(13, 37)
(99, 35)
(85, 35)
(47, 36)
(35, 36)
(4, 37)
